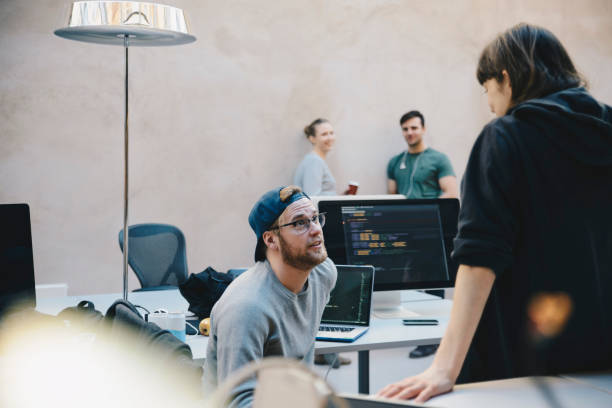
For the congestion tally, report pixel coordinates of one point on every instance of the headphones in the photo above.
(414, 168)
(403, 163)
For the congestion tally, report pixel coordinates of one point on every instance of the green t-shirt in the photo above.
(417, 174)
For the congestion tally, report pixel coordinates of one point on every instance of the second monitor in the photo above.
(408, 241)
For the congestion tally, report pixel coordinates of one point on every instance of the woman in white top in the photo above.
(312, 174)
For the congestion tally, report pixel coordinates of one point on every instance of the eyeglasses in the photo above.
(302, 225)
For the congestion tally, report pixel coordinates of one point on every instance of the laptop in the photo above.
(17, 289)
(347, 314)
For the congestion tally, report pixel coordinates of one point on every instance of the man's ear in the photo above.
(269, 238)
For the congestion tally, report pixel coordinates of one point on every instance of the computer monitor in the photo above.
(16, 262)
(408, 242)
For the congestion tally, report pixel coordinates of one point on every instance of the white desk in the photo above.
(383, 333)
(599, 381)
(390, 333)
(171, 300)
(573, 390)
(578, 390)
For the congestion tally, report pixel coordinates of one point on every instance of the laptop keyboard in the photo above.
(335, 329)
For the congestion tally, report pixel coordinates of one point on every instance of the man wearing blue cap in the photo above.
(275, 307)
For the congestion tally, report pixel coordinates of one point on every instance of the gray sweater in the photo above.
(258, 317)
(314, 177)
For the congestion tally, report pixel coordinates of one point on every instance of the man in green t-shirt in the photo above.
(420, 171)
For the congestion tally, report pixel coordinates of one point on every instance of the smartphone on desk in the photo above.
(420, 322)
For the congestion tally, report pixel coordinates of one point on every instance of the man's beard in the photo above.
(303, 261)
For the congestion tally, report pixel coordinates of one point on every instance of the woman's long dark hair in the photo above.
(536, 62)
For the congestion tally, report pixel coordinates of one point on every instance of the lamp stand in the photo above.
(126, 23)
(126, 235)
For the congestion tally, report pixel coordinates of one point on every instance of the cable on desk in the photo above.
(331, 365)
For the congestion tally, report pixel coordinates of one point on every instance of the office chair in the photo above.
(235, 272)
(156, 255)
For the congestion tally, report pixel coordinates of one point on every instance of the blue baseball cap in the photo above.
(268, 208)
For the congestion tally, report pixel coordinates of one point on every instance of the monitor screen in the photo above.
(16, 262)
(407, 241)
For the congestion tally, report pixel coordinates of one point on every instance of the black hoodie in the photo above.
(537, 210)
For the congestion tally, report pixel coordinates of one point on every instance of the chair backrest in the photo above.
(156, 254)
(235, 272)
(281, 382)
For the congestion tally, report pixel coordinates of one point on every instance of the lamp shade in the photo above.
(108, 22)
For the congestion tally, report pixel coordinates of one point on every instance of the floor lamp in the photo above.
(126, 23)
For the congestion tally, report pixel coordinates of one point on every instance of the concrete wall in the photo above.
(216, 123)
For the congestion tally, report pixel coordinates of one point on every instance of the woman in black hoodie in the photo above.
(533, 294)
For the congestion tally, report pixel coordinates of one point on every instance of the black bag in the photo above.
(83, 313)
(123, 315)
(169, 347)
(202, 290)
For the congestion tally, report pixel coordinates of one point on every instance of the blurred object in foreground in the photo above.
(45, 363)
(548, 314)
(281, 382)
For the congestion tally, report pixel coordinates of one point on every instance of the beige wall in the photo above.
(216, 123)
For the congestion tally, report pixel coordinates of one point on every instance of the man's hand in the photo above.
(422, 387)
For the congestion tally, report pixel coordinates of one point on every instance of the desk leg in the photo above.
(364, 372)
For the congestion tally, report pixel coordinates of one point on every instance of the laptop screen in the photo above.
(350, 301)
(16, 262)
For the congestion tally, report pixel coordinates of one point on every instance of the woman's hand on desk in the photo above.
(472, 289)
(422, 387)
